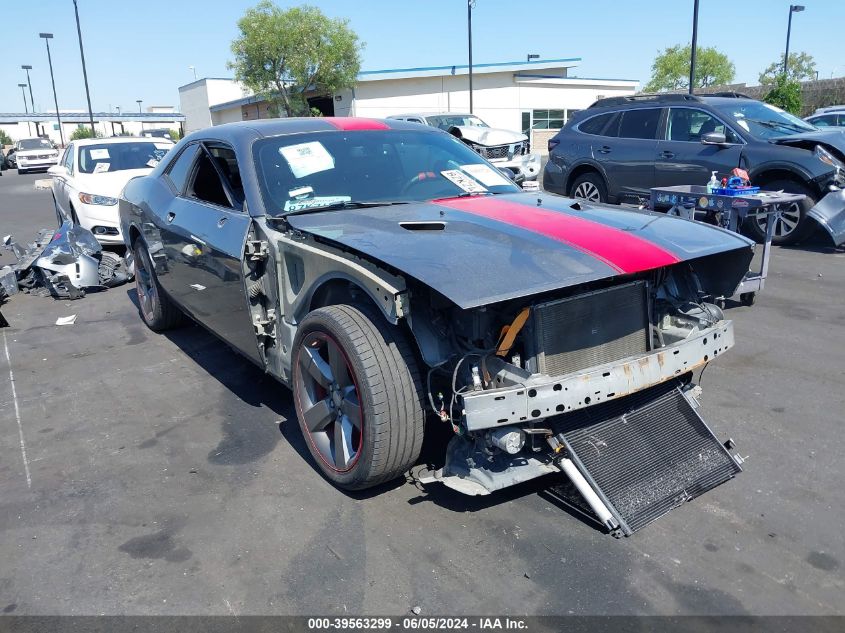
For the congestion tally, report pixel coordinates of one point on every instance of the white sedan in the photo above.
(91, 175)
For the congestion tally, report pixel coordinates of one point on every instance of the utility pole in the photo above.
(793, 8)
(470, 5)
(693, 47)
(27, 68)
(23, 94)
(47, 37)
(84, 71)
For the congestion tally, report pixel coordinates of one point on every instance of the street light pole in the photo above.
(23, 94)
(693, 48)
(27, 68)
(793, 8)
(470, 5)
(47, 37)
(139, 102)
(84, 71)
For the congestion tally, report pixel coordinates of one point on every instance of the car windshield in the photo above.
(299, 173)
(764, 120)
(455, 120)
(108, 157)
(35, 143)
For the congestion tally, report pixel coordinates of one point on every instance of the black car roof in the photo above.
(241, 131)
(663, 100)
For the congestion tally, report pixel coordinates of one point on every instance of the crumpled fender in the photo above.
(830, 213)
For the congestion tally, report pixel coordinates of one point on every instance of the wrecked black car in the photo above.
(389, 275)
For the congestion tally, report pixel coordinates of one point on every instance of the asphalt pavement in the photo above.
(150, 474)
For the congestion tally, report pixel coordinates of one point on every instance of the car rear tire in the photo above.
(155, 307)
(590, 187)
(791, 222)
(358, 396)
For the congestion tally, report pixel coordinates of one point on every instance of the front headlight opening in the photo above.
(828, 159)
(90, 198)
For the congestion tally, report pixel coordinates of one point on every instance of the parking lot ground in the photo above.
(154, 474)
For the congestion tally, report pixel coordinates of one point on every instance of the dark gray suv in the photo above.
(620, 147)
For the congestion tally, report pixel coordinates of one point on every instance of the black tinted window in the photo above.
(179, 170)
(596, 124)
(224, 156)
(207, 185)
(639, 123)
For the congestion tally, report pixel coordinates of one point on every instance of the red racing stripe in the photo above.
(354, 124)
(619, 249)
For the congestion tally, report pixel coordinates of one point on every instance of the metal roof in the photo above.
(463, 69)
(82, 117)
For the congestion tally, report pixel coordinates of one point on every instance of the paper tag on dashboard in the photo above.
(486, 175)
(99, 154)
(307, 158)
(463, 181)
(101, 167)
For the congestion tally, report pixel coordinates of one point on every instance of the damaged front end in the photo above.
(596, 382)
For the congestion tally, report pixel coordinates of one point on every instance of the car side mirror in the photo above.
(507, 173)
(714, 138)
(58, 170)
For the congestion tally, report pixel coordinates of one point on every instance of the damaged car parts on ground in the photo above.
(388, 275)
(64, 263)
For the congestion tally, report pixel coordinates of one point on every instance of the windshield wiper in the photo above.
(345, 204)
(777, 124)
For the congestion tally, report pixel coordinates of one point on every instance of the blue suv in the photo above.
(619, 148)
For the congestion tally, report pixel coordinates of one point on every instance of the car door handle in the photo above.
(667, 154)
(221, 222)
(604, 149)
(170, 217)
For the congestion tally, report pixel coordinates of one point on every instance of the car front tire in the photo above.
(791, 221)
(590, 187)
(358, 396)
(156, 308)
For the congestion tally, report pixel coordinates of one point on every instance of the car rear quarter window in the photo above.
(639, 123)
(596, 124)
(181, 167)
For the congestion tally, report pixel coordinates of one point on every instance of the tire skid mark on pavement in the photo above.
(17, 412)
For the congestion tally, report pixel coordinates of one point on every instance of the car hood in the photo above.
(834, 138)
(109, 184)
(490, 136)
(481, 250)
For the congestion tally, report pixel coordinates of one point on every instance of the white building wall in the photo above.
(229, 115)
(497, 97)
(196, 98)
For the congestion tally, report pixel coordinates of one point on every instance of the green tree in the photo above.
(5, 139)
(281, 54)
(174, 135)
(801, 66)
(670, 69)
(785, 94)
(84, 131)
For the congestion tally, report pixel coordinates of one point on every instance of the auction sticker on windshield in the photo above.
(486, 175)
(99, 154)
(463, 181)
(101, 167)
(307, 158)
(314, 203)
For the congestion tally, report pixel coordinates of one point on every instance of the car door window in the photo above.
(206, 184)
(824, 121)
(639, 123)
(227, 164)
(179, 169)
(689, 125)
(596, 124)
(70, 162)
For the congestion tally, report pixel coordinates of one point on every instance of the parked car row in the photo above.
(621, 147)
(31, 154)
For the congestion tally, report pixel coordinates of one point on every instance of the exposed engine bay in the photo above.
(526, 368)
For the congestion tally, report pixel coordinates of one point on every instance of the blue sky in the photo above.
(142, 49)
